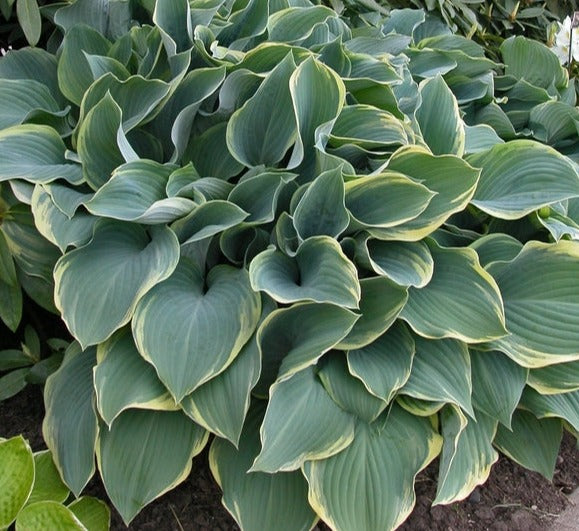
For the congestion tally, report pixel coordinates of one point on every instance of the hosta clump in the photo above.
(317, 241)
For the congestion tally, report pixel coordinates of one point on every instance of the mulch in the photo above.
(513, 499)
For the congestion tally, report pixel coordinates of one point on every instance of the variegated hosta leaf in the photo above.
(208, 219)
(386, 200)
(56, 226)
(221, 404)
(21, 99)
(136, 96)
(70, 425)
(541, 296)
(461, 300)
(565, 406)
(553, 121)
(136, 192)
(558, 225)
(381, 464)
(521, 176)
(449, 177)
(321, 210)
(174, 124)
(319, 272)
(496, 247)
(384, 365)
(406, 263)
(144, 454)
(497, 384)
(35, 153)
(258, 195)
(10, 291)
(318, 95)
(32, 64)
(74, 72)
(210, 154)
(124, 380)
(102, 144)
(255, 499)
(441, 372)
(186, 182)
(439, 118)
(381, 303)
(533, 61)
(265, 127)
(99, 285)
(346, 390)
(554, 379)
(419, 407)
(202, 322)
(480, 138)
(296, 23)
(467, 454)
(368, 127)
(16, 477)
(245, 22)
(533, 443)
(293, 431)
(293, 338)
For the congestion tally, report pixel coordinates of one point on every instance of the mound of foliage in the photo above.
(337, 248)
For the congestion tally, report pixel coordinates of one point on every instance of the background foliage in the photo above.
(334, 245)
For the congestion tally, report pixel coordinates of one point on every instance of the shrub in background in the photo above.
(342, 247)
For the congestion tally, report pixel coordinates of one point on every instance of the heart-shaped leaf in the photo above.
(99, 285)
(319, 272)
(382, 461)
(209, 322)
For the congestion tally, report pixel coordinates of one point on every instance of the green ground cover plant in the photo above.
(332, 248)
(34, 498)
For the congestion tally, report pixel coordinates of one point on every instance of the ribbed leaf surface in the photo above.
(380, 466)
(291, 339)
(35, 153)
(99, 285)
(144, 454)
(70, 425)
(319, 272)
(461, 300)
(203, 322)
(384, 365)
(293, 431)
(258, 500)
(497, 384)
(521, 176)
(441, 372)
(467, 454)
(124, 380)
(532, 443)
(541, 296)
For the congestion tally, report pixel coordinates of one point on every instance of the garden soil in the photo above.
(513, 499)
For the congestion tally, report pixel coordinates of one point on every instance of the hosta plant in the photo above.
(333, 249)
(34, 498)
